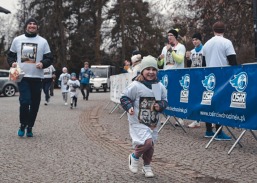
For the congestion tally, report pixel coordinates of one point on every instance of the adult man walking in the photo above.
(218, 52)
(32, 53)
(84, 77)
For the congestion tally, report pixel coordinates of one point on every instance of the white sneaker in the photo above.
(46, 102)
(133, 164)
(194, 124)
(147, 171)
(65, 103)
(180, 121)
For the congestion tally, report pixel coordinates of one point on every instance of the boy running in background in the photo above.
(72, 85)
(62, 83)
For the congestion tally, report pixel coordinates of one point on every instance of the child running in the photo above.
(62, 83)
(73, 84)
(139, 101)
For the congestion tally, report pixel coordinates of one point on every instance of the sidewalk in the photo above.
(87, 144)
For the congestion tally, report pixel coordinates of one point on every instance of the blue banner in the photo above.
(220, 95)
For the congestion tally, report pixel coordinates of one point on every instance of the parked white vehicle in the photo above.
(101, 79)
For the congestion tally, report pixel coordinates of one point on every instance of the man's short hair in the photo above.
(219, 27)
(86, 63)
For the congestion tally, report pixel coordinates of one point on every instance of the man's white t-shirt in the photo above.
(216, 51)
(30, 50)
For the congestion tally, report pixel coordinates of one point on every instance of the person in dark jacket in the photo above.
(32, 54)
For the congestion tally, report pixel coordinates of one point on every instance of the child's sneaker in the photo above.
(71, 105)
(147, 171)
(222, 136)
(29, 132)
(209, 134)
(133, 164)
(194, 124)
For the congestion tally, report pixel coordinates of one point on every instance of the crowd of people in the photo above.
(32, 54)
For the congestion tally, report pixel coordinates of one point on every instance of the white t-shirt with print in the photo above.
(64, 78)
(30, 50)
(196, 58)
(48, 72)
(179, 49)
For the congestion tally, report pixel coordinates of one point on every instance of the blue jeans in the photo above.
(30, 97)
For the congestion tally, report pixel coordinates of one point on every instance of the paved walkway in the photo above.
(87, 144)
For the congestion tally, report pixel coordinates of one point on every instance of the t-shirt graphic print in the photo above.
(28, 52)
(147, 115)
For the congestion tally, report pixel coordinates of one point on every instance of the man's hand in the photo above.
(39, 65)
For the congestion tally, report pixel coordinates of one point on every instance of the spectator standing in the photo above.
(47, 82)
(139, 97)
(84, 77)
(62, 83)
(32, 54)
(136, 60)
(195, 59)
(218, 52)
(173, 54)
(127, 67)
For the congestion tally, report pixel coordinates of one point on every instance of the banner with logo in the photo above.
(221, 95)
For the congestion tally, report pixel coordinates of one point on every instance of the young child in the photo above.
(138, 100)
(62, 83)
(73, 84)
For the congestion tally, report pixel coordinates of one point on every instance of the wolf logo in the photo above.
(209, 82)
(185, 81)
(240, 81)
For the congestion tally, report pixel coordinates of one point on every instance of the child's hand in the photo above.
(156, 107)
(131, 111)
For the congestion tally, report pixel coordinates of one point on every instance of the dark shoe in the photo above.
(84, 98)
(209, 134)
(21, 131)
(222, 136)
(29, 132)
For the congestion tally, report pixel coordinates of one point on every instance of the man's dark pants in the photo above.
(30, 97)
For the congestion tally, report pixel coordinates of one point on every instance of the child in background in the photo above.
(62, 83)
(73, 84)
(137, 98)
